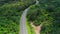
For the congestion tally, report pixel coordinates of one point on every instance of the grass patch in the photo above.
(30, 29)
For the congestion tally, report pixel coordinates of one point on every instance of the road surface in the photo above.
(23, 28)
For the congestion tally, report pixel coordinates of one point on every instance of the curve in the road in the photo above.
(23, 28)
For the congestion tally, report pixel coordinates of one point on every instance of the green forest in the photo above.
(10, 13)
(46, 12)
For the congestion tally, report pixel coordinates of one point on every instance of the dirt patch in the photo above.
(37, 29)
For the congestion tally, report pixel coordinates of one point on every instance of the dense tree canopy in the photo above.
(10, 13)
(46, 12)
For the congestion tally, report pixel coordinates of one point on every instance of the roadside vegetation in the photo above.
(10, 13)
(48, 13)
(30, 28)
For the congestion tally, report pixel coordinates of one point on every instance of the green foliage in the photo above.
(10, 14)
(2, 2)
(47, 12)
(30, 29)
(9, 19)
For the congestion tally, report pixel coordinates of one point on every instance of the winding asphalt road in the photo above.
(23, 28)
